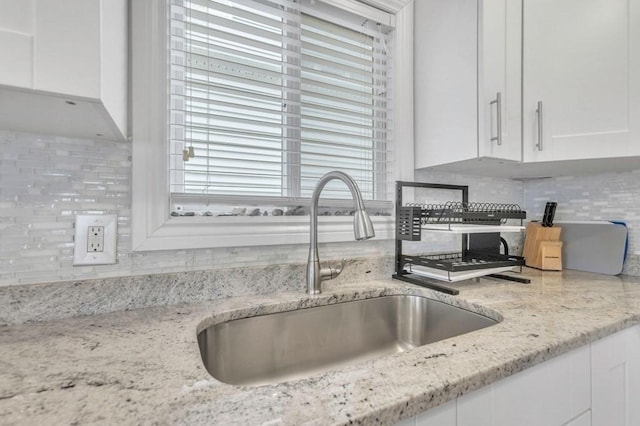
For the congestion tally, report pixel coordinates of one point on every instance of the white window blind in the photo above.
(266, 98)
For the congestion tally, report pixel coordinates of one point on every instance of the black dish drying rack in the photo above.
(480, 250)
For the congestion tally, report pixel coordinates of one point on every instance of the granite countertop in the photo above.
(143, 366)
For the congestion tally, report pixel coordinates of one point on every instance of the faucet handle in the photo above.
(331, 272)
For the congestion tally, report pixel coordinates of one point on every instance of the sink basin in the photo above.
(294, 344)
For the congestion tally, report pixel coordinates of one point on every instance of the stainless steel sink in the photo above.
(294, 344)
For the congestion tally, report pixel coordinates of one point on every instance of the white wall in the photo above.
(46, 180)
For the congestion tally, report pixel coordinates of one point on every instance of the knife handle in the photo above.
(549, 213)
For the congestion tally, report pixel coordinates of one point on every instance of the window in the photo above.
(268, 96)
(305, 125)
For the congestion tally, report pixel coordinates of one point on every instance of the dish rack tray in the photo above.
(413, 217)
(463, 261)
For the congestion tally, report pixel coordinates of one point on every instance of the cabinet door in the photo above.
(581, 61)
(445, 81)
(444, 415)
(583, 419)
(552, 393)
(499, 71)
(61, 51)
(466, 52)
(68, 47)
(616, 379)
(16, 43)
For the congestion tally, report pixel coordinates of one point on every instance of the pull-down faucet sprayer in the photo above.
(362, 230)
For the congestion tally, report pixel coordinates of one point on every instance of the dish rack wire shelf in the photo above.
(480, 225)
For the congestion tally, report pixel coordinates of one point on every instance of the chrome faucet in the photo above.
(362, 230)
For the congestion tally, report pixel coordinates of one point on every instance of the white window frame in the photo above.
(152, 227)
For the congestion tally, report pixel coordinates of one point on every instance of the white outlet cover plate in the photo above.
(80, 254)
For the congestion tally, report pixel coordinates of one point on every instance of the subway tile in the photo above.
(48, 180)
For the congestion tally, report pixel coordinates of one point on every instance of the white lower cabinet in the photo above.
(445, 415)
(583, 419)
(595, 385)
(551, 393)
(616, 379)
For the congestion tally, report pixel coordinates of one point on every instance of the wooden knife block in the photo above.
(542, 247)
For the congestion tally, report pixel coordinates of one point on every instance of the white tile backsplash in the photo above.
(606, 196)
(45, 181)
(481, 189)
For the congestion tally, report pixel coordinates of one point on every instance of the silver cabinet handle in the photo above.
(540, 137)
(498, 103)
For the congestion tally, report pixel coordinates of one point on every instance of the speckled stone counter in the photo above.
(143, 366)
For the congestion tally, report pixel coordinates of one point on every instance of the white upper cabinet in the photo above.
(65, 67)
(16, 42)
(581, 63)
(467, 81)
(568, 72)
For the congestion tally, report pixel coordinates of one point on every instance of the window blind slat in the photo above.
(327, 137)
(205, 90)
(354, 81)
(336, 32)
(269, 7)
(202, 68)
(327, 148)
(317, 100)
(262, 43)
(332, 57)
(326, 43)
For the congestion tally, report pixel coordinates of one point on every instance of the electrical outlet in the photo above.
(95, 239)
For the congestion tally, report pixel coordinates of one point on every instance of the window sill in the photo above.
(209, 232)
